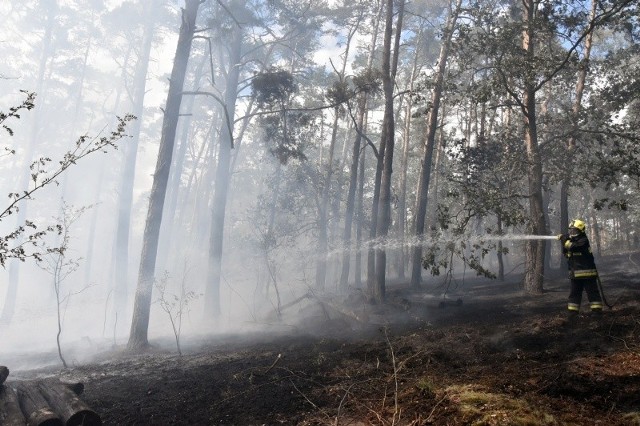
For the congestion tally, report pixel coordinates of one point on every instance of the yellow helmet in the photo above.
(578, 224)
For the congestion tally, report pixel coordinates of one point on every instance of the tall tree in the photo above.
(535, 249)
(429, 143)
(366, 84)
(138, 337)
(338, 95)
(387, 142)
(50, 12)
(575, 116)
(223, 167)
(533, 80)
(125, 191)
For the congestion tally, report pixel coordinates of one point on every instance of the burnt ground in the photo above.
(499, 358)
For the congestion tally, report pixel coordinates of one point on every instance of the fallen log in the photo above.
(10, 413)
(76, 387)
(35, 407)
(4, 373)
(63, 398)
(360, 317)
(448, 303)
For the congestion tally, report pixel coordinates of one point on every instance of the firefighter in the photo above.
(582, 268)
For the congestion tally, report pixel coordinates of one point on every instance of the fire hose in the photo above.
(604, 299)
(598, 281)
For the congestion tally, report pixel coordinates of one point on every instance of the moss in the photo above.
(633, 417)
(426, 385)
(480, 407)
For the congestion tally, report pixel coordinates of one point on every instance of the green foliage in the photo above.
(368, 81)
(284, 134)
(284, 129)
(339, 92)
(273, 88)
(488, 181)
(602, 203)
(441, 257)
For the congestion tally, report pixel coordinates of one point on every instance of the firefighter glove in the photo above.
(563, 238)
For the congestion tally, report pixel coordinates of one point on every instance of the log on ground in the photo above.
(35, 407)
(64, 400)
(10, 413)
(4, 373)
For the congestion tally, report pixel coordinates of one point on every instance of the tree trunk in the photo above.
(66, 404)
(4, 373)
(8, 308)
(361, 128)
(595, 232)
(265, 279)
(166, 242)
(387, 142)
(404, 163)
(142, 305)
(35, 407)
(429, 143)
(565, 184)
(222, 180)
(10, 413)
(323, 210)
(360, 214)
(535, 249)
(351, 193)
(431, 217)
(500, 248)
(125, 191)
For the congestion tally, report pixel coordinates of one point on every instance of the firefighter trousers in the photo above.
(590, 286)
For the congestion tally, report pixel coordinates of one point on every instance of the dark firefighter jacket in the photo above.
(578, 252)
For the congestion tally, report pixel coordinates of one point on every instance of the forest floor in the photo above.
(500, 357)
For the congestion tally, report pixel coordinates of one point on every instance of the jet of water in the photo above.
(516, 237)
(390, 244)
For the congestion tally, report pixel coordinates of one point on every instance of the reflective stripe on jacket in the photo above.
(580, 259)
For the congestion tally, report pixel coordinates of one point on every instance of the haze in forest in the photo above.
(320, 150)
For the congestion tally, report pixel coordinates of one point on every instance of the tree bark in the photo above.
(35, 407)
(4, 373)
(125, 191)
(360, 214)
(71, 409)
(323, 209)
(359, 196)
(8, 308)
(142, 306)
(10, 413)
(429, 143)
(169, 224)
(222, 180)
(351, 193)
(387, 142)
(535, 249)
(565, 184)
(404, 163)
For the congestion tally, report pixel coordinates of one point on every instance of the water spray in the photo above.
(426, 240)
(515, 237)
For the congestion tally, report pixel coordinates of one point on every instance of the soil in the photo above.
(496, 357)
